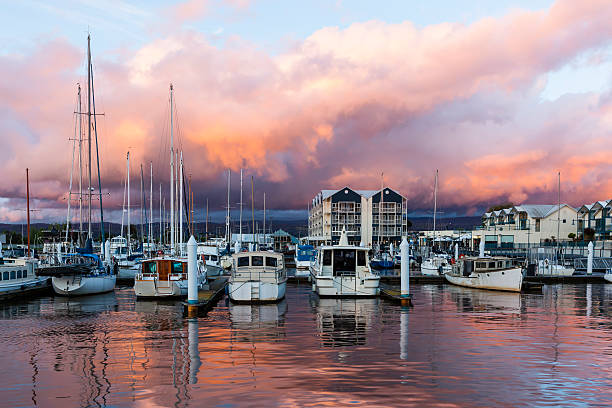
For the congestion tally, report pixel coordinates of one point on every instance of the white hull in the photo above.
(339, 286)
(213, 270)
(151, 287)
(554, 270)
(255, 291)
(507, 279)
(302, 269)
(431, 269)
(128, 272)
(77, 285)
(608, 277)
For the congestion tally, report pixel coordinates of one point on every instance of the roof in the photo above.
(596, 205)
(364, 193)
(540, 210)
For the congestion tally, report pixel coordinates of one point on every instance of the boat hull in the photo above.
(213, 270)
(256, 291)
(506, 280)
(608, 277)
(23, 287)
(127, 272)
(346, 286)
(153, 288)
(75, 285)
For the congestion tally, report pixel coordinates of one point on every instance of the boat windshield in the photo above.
(271, 261)
(344, 261)
(149, 267)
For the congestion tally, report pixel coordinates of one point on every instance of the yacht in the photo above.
(608, 275)
(496, 273)
(165, 278)
(79, 275)
(257, 276)
(343, 270)
(17, 277)
(436, 265)
(209, 255)
(304, 256)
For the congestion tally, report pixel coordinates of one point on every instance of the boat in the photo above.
(495, 273)
(551, 268)
(436, 265)
(304, 256)
(343, 270)
(18, 278)
(165, 278)
(608, 275)
(79, 275)
(382, 261)
(257, 276)
(209, 255)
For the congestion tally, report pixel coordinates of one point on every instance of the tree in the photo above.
(500, 206)
(571, 236)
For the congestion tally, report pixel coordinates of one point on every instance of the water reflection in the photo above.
(344, 322)
(258, 322)
(477, 300)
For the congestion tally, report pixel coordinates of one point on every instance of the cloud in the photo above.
(340, 107)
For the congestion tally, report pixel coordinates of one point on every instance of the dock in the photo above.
(394, 295)
(207, 299)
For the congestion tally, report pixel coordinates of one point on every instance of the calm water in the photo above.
(456, 347)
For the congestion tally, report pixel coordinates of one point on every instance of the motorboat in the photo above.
(436, 265)
(495, 273)
(18, 277)
(209, 255)
(166, 278)
(551, 268)
(343, 270)
(304, 256)
(382, 261)
(257, 276)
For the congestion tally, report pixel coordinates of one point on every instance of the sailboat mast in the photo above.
(227, 218)
(129, 208)
(559, 213)
(264, 218)
(380, 220)
(80, 169)
(240, 207)
(70, 186)
(123, 207)
(435, 207)
(207, 219)
(160, 214)
(151, 206)
(142, 206)
(171, 171)
(89, 133)
(181, 207)
(253, 208)
(28, 205)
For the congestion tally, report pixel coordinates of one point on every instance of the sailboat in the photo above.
(163, 277)
(436, 264)
(83, 272)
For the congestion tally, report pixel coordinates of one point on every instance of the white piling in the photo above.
(481, 249)
(192, 271)
(590, 259)
(391, 249)
(237, 247)
(250, 247)
(456, 251)
(107, 254)
(405, 268)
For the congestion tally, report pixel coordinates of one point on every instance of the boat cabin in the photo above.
(342, 261)
(257, 266)
(483, 265)
(305, 253)
(164, 269)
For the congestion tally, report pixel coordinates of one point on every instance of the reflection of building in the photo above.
(344, 322)
(360, 213)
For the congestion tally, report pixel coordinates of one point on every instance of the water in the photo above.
(456, 347)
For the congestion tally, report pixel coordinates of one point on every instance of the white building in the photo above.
(360, 213)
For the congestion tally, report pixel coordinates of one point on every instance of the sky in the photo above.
(499, 96)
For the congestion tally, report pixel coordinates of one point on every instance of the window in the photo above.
(207, 257)
(481, 265)
(270, 261)
(361, 258)
(177, 267)
(213, 257)
(25, 273)
(5, 276)
(327, 258)
(18, 274)
(0, 276)
(243, 261)
(13, 275)
(150, 267)
(257, 261)
(491, 265)
(344, 261)
(564, 220)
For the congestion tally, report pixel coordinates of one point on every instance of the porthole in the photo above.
(387, 192)
(345, 191)
(503, 273)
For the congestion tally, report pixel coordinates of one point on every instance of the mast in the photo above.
(70, 186)
(380, 220)
(28, 205)
(558, 216)
(160, 214)
(80, 169)
(123, 207)
(129, 209)
(181, 207)
(207, 220)
(435, 207)
(171, 171)
(227, 218)
(142, 208)
(253, 210)
(241, 207)
(89, 134)
(151, 207)
(95, 127)
(176, 197)
(264, 220)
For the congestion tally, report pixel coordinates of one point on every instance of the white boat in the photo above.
(18, 277)
(127, 270)
(547, 267)
(165, 278)
(343, 271)
(257, 276)
(608, 275)
(495, 273)
(80, 275)
(209, 255)
(304, 256)
(436, 265)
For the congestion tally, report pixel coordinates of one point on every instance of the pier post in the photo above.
(590, 259)
(192, 271)
(107, 255)
(237, 247)
(405, 269)
(481, 248)
(456, 251)
(391, 249)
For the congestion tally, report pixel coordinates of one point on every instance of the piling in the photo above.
(107, 255)
(481, 249)
(192, 271)
(405, 272)
(456, 251)
(590, 259)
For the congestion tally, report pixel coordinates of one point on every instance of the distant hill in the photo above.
(450, 223)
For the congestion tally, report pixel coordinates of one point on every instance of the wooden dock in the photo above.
(393, 294)
(207, 299)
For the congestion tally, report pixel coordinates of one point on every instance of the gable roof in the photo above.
(540, 210)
